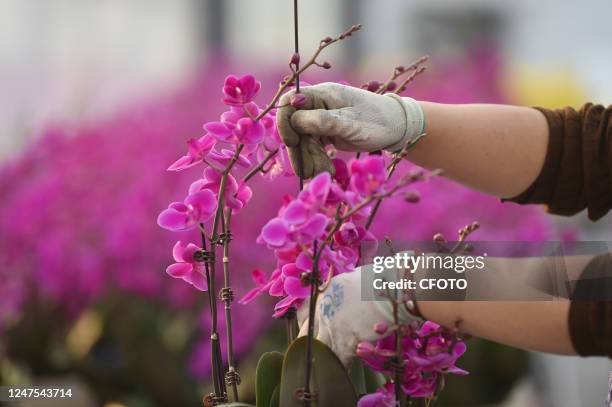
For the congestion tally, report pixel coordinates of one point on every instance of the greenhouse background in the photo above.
(97, 98)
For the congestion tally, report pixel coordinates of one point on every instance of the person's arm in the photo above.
(561, 158)
(534, 325)
(543, 313)
(496, 149)
(539, 325)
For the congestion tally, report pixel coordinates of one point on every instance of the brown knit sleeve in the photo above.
(576, 171)
(590, 321)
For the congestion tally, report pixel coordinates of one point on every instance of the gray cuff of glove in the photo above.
(415, 122)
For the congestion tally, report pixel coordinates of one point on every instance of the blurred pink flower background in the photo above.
(79, 206)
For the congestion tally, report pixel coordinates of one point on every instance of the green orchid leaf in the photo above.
(329, 379)
(373, 380)
(267, 377)
(275, 400)
(357, 375)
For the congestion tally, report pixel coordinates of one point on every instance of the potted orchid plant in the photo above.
(318, 233)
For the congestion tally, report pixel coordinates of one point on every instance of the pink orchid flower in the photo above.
(283, 306)
(244, 131)
(186, 268)
(198, 207)
(238, 91)
(293, 228)
(368, 175)
(277, 166)
(429, 352)
(384, 397)
(222, 159)
(259, 278)
(197, 150)
(341, 173)
(292, 272)
(237, 126)
(316, 192)
(235, 196)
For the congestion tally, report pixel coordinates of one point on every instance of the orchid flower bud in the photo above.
(412, 197)
(373, 86)
(381, 328)
(391, 86)
(326, 65)
(295, 59)
(365, 349)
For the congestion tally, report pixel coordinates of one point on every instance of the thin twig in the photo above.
(411, 78)
(399, 71)
(259, 167)
(295, 74)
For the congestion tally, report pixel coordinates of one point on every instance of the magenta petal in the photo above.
(283, 305)
(173, 220)
(178, 252)
(276, 288)
(315, 226)
(182, 163)
(251, 109)
(178, 206)
(230, 118)
(295, 288)
(244, 194)
(457, 370)
(179, 270)
(275, 232)
(206, 142)
(249, 131)
(196, 186)
(377, 399)
(204, 202)
(319, 186)
(291, 270)
(247, 82)
(304, 262)
(250, 296)
(296, 212)
(258, 277)
(231, 81)
(219, 130)
(198, 280)
(243, 161)
(211, 175)
(189, 252)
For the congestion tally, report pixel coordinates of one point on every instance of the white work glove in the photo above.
(343, 319)
(350, 118)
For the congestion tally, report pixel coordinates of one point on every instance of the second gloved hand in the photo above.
(350, 118)
(343, 319)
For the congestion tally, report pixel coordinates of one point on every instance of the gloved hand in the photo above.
(350, 118)
(343, 319)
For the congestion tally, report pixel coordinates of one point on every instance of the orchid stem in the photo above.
(314, 282)
(232, 378)
(215, 350)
